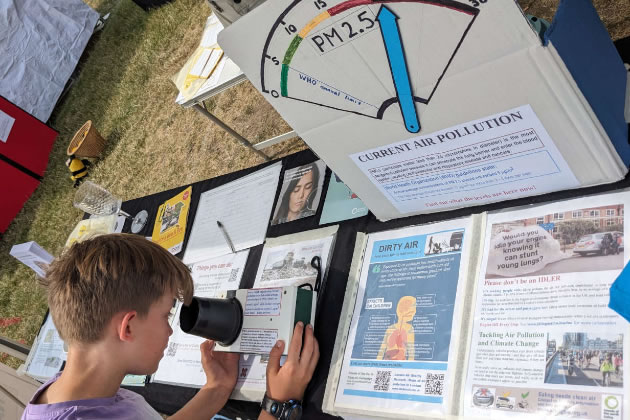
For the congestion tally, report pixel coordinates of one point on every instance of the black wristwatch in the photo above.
(287, 410)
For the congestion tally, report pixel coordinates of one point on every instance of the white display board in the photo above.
(356, 77)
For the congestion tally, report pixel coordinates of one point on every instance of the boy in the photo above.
(110, 298)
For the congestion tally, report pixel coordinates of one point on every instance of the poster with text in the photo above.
(499, 157)
(544, 342)
(399, 346)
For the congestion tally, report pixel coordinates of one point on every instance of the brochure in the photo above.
(341, 203)
(400, 359)
(170, 223)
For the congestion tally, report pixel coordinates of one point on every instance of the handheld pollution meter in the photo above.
(249, 320)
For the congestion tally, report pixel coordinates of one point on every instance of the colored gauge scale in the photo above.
(363, 56)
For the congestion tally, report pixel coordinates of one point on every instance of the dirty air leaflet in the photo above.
(398, 357)
(503, 156)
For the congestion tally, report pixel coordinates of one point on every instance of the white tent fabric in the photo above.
(41, 42)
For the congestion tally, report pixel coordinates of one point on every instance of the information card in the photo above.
(499, 157)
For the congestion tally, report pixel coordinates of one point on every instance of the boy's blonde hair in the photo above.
(99, 277)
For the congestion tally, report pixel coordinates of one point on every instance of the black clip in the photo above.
(316, 263)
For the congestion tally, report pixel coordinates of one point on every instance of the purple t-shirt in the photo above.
(125, 405)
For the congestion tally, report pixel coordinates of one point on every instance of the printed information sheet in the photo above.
(499, 157)
(181, 363)
(48, 354)
(243, 207)
(397, 356)
(544, 342)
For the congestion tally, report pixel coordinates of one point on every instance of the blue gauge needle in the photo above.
(398, 65)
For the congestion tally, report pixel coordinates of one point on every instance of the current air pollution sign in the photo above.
(498, 157)
(312, 54)
(419, 105)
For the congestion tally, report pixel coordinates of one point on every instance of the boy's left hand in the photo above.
(221, 368)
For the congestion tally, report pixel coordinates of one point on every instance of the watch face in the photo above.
(295, 412)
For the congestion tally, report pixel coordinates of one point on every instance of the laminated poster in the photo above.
(170, 223)
(399, 346)
(544, 343)
(499, 157)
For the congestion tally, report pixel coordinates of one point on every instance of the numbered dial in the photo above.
(379, 59)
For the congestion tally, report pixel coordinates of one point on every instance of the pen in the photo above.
(226, 236)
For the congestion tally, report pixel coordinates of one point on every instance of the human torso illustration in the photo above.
(399, 339)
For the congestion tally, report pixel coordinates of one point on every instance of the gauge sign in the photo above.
(364, 56)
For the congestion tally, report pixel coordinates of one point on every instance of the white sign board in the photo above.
(352, 77)
(462, 166)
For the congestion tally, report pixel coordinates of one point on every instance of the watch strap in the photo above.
(277, 408)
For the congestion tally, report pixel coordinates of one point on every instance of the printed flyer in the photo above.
(544, 342)
(300, 193)
(399, 346)
(181, 364)
(170, 223)
(498, 157)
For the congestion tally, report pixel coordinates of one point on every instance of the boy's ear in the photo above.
(126, 326)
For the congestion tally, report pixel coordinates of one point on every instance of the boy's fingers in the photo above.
(307, 349)
(296, 343)
(312, 364)
(273, 365)
(207, 346)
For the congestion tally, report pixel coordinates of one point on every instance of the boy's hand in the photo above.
(289, 381)
(221, 369)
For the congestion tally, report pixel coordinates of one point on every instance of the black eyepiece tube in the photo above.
(220, 320)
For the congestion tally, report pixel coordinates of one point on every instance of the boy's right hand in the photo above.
(289, 381)
(221, 369)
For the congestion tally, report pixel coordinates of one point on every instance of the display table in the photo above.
(168, 399)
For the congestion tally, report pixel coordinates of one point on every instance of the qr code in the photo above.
(434, 384)
(383, 377)
(172, 349)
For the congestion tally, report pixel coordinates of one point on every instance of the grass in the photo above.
(153, 144)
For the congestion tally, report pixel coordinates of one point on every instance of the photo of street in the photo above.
(585, 359)
(580, 240)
